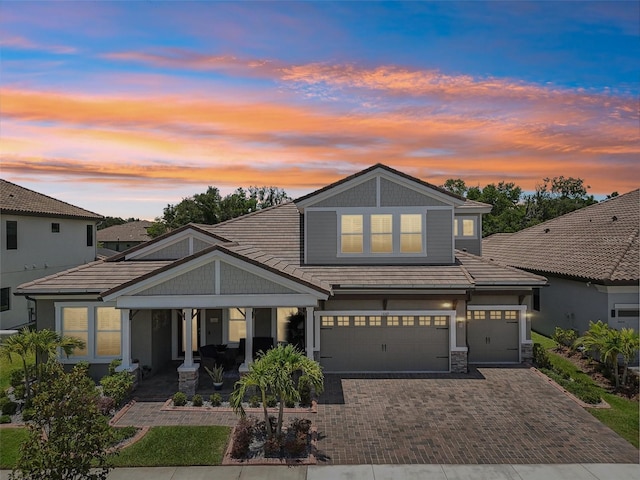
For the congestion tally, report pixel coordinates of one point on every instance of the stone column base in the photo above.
(526, 352)
(459, 362)
(188, 379)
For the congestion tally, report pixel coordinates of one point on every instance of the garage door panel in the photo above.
(395, 344)
(493, 337)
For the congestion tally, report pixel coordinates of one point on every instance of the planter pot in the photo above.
(217, 386)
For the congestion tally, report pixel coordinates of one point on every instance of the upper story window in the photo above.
(465, 227)
(385, 233)
(55, 227)
(352, 234)
(12, 235)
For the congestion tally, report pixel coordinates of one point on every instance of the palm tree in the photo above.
(20, 344)
(629, 345)
(611, 349)
(43, 343)
(274, 371)
(593, 339)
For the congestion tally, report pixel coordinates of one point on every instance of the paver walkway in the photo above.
(492, 415)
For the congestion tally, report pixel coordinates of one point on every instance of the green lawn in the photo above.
(6, 367)
(10, 441)
(176, 446)
(623, 416)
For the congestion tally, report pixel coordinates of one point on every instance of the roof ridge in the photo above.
(246, 215)
(623, 251)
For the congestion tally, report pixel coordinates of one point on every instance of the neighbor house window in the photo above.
(5, 299)
(351, 234)
(12, 235)
(98, 326)
(237, 324)
(465, 227)
(55, 227)
(411, 233)
(89, 235)
(382, 233)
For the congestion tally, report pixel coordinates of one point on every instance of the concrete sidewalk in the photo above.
(581, 471)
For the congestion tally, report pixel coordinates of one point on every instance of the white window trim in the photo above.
(91, 356)
(366, 231)
(475, 227)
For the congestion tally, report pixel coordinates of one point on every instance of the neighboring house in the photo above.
(39, 236)
(123, 237)
(590, 257)
(373, 263)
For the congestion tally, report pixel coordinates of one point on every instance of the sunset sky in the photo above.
(123, 107)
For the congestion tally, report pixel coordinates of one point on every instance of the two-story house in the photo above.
(384, 268)
(39, 236)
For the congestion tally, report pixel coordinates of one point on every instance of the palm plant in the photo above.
(629, 345)
(43, 343)
(273, 372)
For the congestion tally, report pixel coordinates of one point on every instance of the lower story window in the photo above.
(237, 324)
(99, 327)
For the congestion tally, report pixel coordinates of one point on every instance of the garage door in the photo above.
(493, 336)
(387, 343)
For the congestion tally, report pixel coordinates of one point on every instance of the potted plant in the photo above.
(217, 375)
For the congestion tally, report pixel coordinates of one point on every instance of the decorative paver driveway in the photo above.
(492, 415)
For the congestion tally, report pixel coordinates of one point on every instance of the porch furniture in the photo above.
(259, 344)
(212, 355)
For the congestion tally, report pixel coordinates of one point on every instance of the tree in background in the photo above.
(111, 221)
(512, 210)
(210, 207)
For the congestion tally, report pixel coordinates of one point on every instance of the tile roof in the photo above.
(18, 200)
(273, 238)
(598, 242)
(130, 231)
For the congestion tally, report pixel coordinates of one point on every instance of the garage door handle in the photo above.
(512, 321)
(442, 328)
(487, 340)
(321, 356)
(444, 356)
(514, 349)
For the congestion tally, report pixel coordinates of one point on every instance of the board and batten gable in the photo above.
(380, 194)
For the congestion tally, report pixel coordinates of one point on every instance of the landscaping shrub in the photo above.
(3, 393)
(28, 414)
(586, 392)
(302, 425)
(304, 389)
(8, 407)
(254, 401)
(16, 378)
(540, 356)
(565, 337)
(215, 399)
(114, 365)
(117, 386)
(5, 419)
(273, 446)
(242, 438)
(106, 405)
(179, 399)
(289, 403)
(197, 400)
(295, 444)
(272, 401)
(19, 392)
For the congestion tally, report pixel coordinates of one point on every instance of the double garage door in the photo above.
(384, 343)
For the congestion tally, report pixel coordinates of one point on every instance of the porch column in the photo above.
(125, 346)
(308, 332)
(248, 342)
(187, 313)
(188, 371)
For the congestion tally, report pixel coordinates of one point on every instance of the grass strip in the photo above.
(10, 441)
(176, 446)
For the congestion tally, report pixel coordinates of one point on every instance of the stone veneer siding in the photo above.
(526, 352)
(459, 362)
(188, 381)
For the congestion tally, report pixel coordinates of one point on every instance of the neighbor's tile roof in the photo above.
(18, 200)
(127, 232)
(599, 242)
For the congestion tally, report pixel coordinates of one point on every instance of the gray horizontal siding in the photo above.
(395, 195)
(363, 195)
(439, 236)
(322, 237)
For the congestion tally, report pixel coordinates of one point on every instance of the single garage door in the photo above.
(493, 336)
(384, 343)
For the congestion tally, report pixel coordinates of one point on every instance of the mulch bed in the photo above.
(168, 406)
